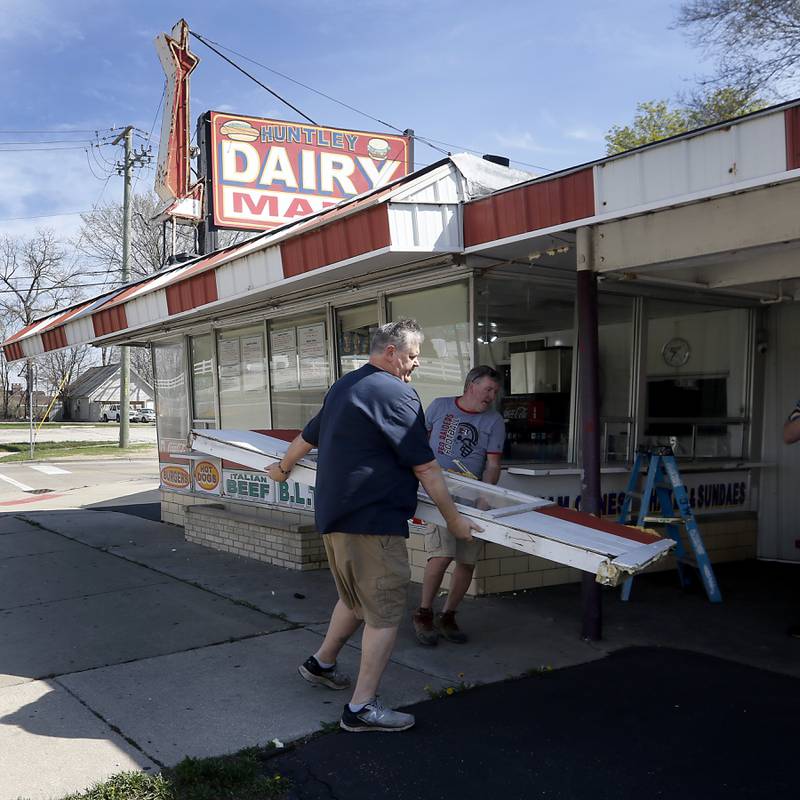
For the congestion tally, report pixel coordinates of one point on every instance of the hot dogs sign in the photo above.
(266, 173)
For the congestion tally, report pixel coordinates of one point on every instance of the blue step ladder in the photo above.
(664, 478)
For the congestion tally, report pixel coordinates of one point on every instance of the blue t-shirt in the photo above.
(370, 432)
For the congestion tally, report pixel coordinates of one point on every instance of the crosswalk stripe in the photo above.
(48, 469)
(19, 485)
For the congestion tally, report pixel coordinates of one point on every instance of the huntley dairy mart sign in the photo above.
(266, 173)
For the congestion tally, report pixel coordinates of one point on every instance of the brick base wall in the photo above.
(284, 538)
(288, 538)
(277, 540)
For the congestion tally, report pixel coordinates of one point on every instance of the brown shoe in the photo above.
(423, 626)
(446, 624)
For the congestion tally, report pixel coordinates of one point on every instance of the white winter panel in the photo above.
(80, 331)
(254, 271)
(147, 309)
(32, 346)
(427, 227)
(443, 190)
(439, 186)
(709, 163)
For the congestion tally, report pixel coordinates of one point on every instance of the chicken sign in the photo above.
(267, 173)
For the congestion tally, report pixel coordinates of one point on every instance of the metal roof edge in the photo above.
(650, 145)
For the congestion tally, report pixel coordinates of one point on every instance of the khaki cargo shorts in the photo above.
(440, 543)
(372, 575)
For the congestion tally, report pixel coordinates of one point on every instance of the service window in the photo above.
(443, 314)
(697, 359)
(172, 399)
(242, 375)
(299, 369)
(525, 330)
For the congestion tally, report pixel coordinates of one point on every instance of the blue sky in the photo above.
(540, 82)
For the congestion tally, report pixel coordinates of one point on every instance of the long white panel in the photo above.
(79, 331)
(254, 271)
(429, 227)
(147, 309)
(507, 517)
(719, 158)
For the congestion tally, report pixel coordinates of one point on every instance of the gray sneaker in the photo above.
(331, 677)
(375, 717)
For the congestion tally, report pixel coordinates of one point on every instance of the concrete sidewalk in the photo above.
(126, 647)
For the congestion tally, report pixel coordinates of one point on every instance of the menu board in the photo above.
(283, 356)
(313, 355)
(230, 365)
(253, 360)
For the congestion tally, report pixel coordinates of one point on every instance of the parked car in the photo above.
(145, 415)
(111, 414)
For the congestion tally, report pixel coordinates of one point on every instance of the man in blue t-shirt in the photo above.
(467, 436)
(373, 453)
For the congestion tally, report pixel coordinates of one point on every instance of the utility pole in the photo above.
(30, 403)
(130, 160)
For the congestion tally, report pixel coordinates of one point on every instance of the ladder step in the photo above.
(634, 494)
(665, 520)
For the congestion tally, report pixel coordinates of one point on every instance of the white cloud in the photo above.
(38, 20)
(586, 134)
(46, 183)
(524, 140)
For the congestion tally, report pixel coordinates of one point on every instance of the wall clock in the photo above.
(676, 352)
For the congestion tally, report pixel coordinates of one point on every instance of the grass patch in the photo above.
(20, 451)
(243, 776)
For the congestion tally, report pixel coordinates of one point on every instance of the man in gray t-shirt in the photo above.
(466, 436)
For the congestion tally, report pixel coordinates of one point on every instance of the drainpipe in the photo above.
(589, 401)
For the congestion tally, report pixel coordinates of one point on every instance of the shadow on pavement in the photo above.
(644, 722)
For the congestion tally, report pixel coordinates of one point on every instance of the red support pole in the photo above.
(589, 363)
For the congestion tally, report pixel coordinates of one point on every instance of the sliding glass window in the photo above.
(242, 371)
(299, 369)
(443, 314)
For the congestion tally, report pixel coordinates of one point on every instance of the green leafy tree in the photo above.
(656, 120)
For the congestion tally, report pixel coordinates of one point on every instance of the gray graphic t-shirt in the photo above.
(463, 436)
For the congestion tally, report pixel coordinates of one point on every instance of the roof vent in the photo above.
(501, 160)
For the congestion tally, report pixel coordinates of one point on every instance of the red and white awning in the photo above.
(755, 152)
(414, 218)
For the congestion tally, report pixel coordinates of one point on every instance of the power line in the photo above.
(244, 72)
(54, 130)
(44, 216)
(49, 141)
(37, 149)
(152, 127)
(427, 140)
(56, 286)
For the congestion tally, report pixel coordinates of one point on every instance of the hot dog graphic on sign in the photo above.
(267, 173)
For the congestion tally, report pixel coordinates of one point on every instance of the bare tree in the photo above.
(756, 42)
(100, 239)
(142, 363)
(34, 277)
(59, 369)
(35, 280)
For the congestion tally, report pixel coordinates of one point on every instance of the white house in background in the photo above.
(96, 390)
